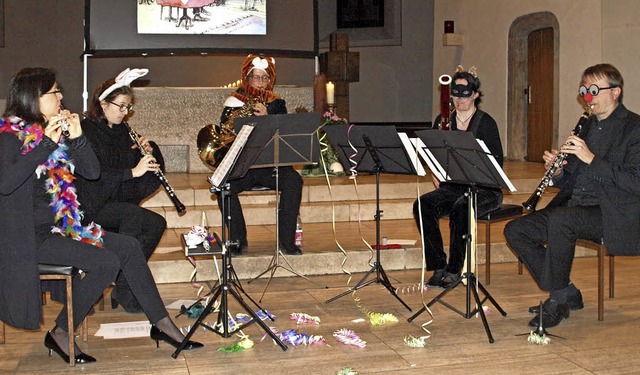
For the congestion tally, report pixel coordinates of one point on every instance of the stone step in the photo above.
(341, 199)
(327, 245)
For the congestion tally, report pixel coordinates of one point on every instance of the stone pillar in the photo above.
(340, 67)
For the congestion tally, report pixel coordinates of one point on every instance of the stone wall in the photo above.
(173, 116)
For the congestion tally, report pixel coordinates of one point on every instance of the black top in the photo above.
(112, 146)
(483, 127)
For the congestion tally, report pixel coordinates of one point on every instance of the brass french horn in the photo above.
(215, 140)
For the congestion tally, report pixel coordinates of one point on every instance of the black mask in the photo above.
(461, 91)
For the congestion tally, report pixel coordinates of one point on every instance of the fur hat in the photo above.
(268, 64)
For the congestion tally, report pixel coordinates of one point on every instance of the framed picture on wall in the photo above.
(360, 13)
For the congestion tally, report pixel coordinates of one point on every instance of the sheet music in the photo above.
(428, 158)
(413, 156)
(497, 166)
(229, 159)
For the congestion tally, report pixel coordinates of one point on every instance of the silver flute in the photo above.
(64, 125)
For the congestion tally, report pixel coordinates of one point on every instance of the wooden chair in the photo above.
(602, 252)
(506, 212)
(66, 273)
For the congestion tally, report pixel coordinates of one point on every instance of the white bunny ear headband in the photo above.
(124, 79)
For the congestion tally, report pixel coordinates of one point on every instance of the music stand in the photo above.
(230, 282)
(458, 158)
(279, 140)
(379, 150)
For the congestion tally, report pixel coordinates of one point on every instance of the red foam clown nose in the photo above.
(588, 97)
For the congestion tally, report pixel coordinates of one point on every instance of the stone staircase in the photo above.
(351, 205)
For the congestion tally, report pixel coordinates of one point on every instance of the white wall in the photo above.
(485, 25)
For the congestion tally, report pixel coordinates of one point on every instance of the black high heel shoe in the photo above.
(157, 335)
(53, 346)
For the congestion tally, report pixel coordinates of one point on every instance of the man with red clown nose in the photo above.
(599, 197)
(255, 97)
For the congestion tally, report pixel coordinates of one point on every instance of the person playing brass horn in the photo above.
(127, 177)
(256, 98)
(450, 199)
(599, 197)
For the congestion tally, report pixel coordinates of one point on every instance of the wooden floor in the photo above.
(457, 345)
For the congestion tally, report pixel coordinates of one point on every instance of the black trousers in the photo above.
(449, 200)
(290, 187)
(100, 266)
(144, 225)
(545, 241)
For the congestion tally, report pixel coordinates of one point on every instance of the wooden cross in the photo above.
(340, 67)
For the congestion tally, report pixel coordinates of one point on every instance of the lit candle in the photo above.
(330, 93)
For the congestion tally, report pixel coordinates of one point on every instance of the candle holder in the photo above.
(332, 108)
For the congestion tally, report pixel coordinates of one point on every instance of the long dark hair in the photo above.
(95, 112)
(25, 90)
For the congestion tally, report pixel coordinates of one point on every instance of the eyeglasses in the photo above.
(52, 92)
(123, 107)
(593, 89)
(260, 78)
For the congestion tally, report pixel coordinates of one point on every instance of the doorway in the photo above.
(539, 90)
(533, 55)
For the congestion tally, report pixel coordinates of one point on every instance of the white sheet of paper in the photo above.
(124, 330)
(413, 156)
(497, 166)
(428, 158)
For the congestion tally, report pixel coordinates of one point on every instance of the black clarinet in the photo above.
(532, 202)
(163, 180)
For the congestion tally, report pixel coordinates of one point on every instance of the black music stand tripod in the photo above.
(280, 140)
(229, 284)
(388, 147)
(465, 163)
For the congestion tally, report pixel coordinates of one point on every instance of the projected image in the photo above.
(237, 17)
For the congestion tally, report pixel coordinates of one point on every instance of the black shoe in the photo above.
(205, 12)
(450, 279)
(157, 335)
(53, 346)
(574, 301)
(241, 248)
(292, 249)
(552, 314)
(436, 279)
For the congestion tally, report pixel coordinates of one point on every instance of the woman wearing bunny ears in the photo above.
(256, 96)
(127, 177)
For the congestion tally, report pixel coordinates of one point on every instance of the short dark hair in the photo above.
(95, 112)
(608, 72)
(473, 82)
(25, 90)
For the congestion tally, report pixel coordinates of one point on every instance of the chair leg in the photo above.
(487, 261)
(601, 251)
(85, 329)
(611, 275)
(1, 332)
(70, 330)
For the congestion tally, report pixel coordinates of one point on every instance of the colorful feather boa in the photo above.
(59, 184)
